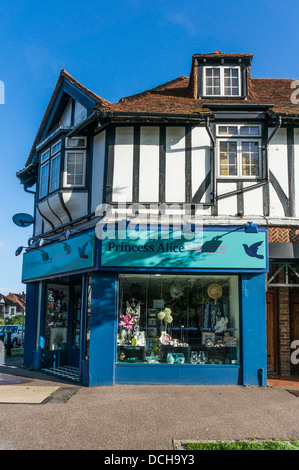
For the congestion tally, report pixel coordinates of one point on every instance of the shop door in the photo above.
(271, 331)
(74, 351)
(294, 324)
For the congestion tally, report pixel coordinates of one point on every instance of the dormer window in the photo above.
(222, 81)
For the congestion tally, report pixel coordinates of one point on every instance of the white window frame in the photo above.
(239, 127)
(238, 138)
(69, 185)
(221, 68)
(74, 138)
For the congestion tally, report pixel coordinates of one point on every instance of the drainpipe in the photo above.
(213, 160)
(28, 191)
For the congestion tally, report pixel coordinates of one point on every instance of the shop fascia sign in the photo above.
(74, 254)
(211, 248)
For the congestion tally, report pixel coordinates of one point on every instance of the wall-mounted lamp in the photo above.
(66, 234)
(39, 243)
(19, 250)
(251, 228)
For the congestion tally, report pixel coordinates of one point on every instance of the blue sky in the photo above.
(116, 48)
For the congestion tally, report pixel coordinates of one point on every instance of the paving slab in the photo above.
(25, 393)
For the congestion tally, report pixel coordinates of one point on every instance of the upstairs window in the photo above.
(75, 162)
(239, 151)
(222, 81)
(49, 170)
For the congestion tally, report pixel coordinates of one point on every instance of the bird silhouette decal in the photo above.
(67, 248)
(252, 250)
(82, 249)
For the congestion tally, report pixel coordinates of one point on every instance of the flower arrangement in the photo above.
(165, 315)
(126, 321)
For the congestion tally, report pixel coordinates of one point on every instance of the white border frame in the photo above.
(73, 148)
(221, 67)
(238, 141)
(66, 153)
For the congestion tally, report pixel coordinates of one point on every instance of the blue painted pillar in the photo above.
(254, 330)
(103, 330)
(30, 324)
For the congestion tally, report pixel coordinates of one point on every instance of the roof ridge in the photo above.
(157, 88)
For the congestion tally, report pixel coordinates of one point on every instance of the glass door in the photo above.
(76, 326)
(56, 322)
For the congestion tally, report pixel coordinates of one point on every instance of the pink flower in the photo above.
(126, 321)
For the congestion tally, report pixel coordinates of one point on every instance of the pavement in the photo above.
(42, 412)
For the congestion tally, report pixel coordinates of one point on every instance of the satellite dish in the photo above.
(23, 220)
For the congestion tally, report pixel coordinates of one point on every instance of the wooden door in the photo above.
(294, 324)
(272, 343)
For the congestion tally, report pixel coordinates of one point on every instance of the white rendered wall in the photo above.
(253, 200)
(123, 165)
(296, 142)
(200, 160)
(228, 205)
(80, 113)
(66, 117)
(98, 162)
(149, 164)
(175, 164)
(278, 165)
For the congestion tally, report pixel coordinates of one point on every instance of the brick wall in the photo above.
(284, 330)
(283, 235)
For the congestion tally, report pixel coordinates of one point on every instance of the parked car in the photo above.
(17, 335)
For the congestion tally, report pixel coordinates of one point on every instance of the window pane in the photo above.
(45, 156)
(231, 82)
(213, 81)
(75, 168)
(228, 158)
(250, 158)
(56, 148)
(44, 180)
(76, 142)
(250, 130)
(56, 317)
(55, 173)
(178, 320)
(228, 130)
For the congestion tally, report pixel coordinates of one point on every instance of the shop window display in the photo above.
(57, 317)
(178, 319)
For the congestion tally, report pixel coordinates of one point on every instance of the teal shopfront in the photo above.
(153, 306)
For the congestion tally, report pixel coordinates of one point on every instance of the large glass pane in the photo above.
(231, 82)
(250, 158)
(228, 158)
(249, 130)
(44, 180)
(212, 81)
(56, 317)
(55, 173)
(178, 319)
(75, 168)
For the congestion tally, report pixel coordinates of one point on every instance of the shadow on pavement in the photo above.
(12, 371)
